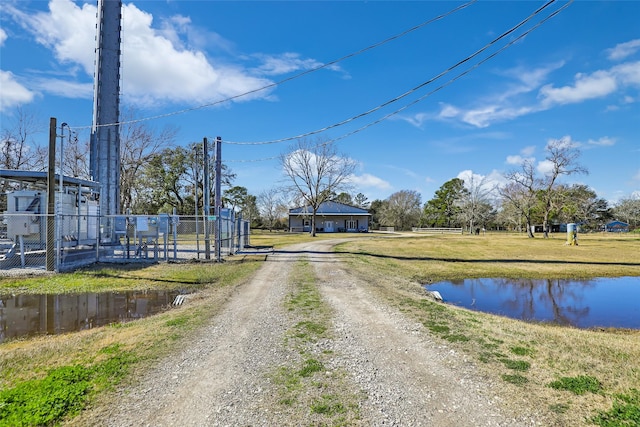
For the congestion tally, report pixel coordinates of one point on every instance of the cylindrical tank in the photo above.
(572, 234)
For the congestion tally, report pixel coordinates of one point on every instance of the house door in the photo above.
(328, 226)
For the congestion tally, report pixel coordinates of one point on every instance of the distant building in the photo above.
(617, 227)
(331, 217)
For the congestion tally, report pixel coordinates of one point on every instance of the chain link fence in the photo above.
(31, 241)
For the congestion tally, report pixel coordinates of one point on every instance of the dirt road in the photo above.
(389, 366)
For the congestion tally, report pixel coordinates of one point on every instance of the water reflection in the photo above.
(602, 302)
(27, 315)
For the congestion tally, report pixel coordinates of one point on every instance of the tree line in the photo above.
(528, 198)
(158, 176)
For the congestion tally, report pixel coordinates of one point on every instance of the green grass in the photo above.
(63, 392)
(111, 278)
(310, 367)
(625, 411)
(517, 365)
(321, 394)
(521, 351)
(578, 385)
(328, 404)
(515, 379)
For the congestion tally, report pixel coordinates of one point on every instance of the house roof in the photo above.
(617, 224)
(330, 208)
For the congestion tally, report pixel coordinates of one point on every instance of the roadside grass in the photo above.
(318, 394)
(526, 357)
(49, 379)
(129, 277)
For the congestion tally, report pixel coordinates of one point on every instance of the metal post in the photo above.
(58, 217)
(206, 201)
(51, 196)
(174, 221)
(218, 200)
(196, 168)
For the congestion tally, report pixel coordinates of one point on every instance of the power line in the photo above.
(407, 93)
(301, 74)
(421, 98)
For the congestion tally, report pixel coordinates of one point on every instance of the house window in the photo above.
(351, 224)
(307, 223)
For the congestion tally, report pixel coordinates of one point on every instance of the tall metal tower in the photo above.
(104, 161)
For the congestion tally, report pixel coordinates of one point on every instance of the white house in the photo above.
(331, 217)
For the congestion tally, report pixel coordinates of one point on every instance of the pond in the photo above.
(590, 303)
(29, 315)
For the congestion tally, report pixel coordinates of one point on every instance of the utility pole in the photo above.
(218, 199)
(51, 195)
(206, 199)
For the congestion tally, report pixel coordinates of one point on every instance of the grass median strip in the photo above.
(317, 393)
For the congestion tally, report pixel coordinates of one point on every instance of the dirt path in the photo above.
(222, 378)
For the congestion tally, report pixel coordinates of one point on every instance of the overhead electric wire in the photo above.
(295, 76)
(407, 93)
(421, 98)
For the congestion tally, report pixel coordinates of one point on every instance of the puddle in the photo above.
(601, 302)
(29, 315)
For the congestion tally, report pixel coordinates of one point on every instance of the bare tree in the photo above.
(561, 160)
(402, 209)
(138, 144)
(76, 157)
(316, 171)
(520, 193)
(628, 210)
(271, 205)
(475, 206)
(528, 193)
(18, 150)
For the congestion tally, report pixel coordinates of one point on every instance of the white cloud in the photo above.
(528, 151)
(3, 36)
(513, 101)
(596, 85)
(68, 30)
(605, 141)
(515, 160)
(288, 62)
(369, 181)
(486, 185)
(13, 93)
(623, 50)
(545, 167)
(448, 111)
(485, 116)
(156, 65)
(636, 177)
(628, 73)
(65, 88)
(526, 155)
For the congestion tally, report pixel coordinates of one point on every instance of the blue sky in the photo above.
(575, 77)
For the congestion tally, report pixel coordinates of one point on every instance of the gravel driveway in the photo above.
(223, 377)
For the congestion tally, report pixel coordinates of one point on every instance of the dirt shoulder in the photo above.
(226, 374)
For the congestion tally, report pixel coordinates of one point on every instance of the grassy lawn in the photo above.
(580, 377)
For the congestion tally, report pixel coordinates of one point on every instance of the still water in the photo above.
(28, 315)
(602, 302)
